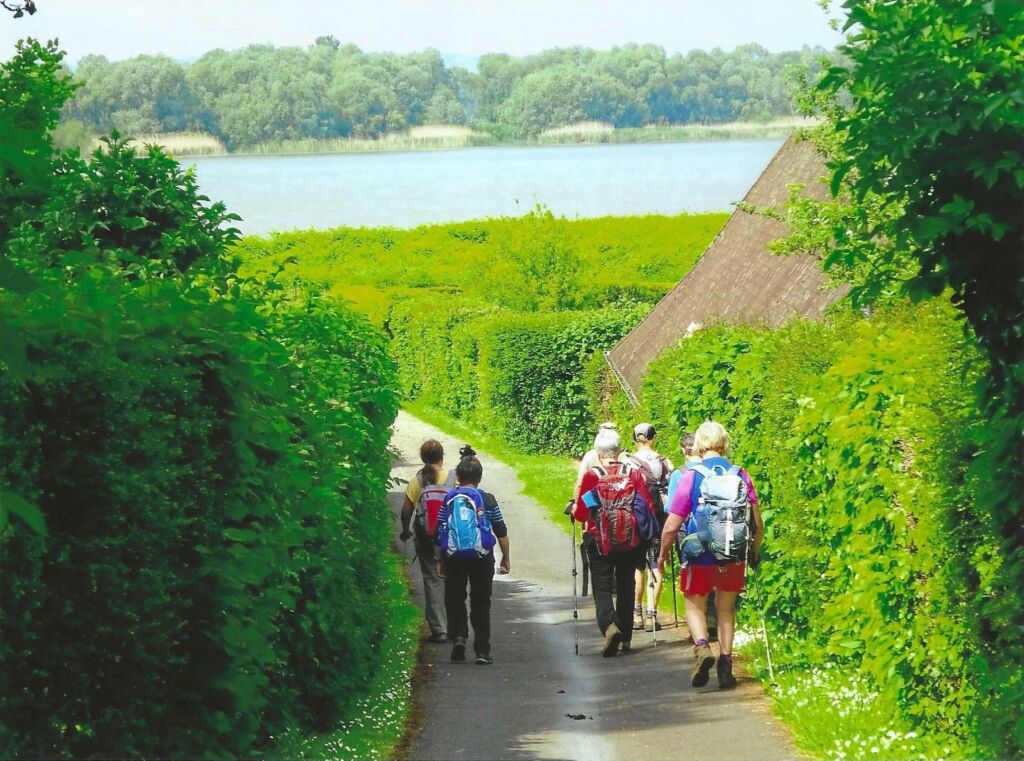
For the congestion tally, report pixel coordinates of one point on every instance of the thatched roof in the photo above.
(737, 279)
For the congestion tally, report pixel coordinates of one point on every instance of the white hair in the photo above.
(607, 443)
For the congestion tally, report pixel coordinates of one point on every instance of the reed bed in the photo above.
(180, 144)
(572, 134)
(427, 138)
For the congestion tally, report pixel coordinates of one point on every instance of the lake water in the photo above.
(409, 189)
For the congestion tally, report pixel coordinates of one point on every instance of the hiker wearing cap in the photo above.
(655, 469)
(424, 497)
(614, 504)
(714, 563)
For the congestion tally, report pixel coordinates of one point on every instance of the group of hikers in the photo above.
(635, 508)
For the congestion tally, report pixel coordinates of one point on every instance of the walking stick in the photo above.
(764, 629)
(575, 605)
(760, 607)
(651, 587)
(674, 580)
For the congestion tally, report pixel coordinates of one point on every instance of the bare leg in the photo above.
(725, 607)
(658, 581)
(697, 616)
(638, 597)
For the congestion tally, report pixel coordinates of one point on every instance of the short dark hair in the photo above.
(469, 471)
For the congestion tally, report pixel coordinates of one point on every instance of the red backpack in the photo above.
(428, 506)
(614, 518)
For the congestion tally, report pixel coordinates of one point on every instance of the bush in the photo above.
(860, 448)
(189, 454)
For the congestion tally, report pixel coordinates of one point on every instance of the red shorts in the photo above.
(701, 579)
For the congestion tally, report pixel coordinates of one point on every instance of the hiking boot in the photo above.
(484, 659)
(725, 678)
(703, 660)
(437, 637)
(459, 650)
(638, 618)
(626, 646)
(612, 638)
(653, 624)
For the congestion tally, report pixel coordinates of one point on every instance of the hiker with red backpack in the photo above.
(613, 502)
(655, 469)
(424, 498)
(469, 526)
(717, 503)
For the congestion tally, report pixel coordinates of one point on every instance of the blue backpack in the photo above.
(721, 521)
(468, 532)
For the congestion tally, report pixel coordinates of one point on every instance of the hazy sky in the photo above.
(185, 29)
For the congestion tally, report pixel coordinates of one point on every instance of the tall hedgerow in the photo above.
(859, 434)
(188, 455)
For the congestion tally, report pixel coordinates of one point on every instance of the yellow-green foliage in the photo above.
(637, 258)
(493, 322)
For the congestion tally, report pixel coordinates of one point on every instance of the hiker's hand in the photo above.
(505, 566)
(755, 560)
(440, 570)
(404, 536)
(661, 566)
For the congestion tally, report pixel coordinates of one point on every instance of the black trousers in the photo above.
(479, 574)
(611, 576)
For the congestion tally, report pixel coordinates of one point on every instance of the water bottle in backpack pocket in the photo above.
(468, 532)
(720, 521)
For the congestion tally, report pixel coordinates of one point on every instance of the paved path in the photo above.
(637, 706)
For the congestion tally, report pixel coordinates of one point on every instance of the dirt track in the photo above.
(636, 706)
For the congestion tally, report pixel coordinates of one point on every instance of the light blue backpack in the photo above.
(468, 532)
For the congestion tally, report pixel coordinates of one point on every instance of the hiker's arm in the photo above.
(506, 563)
(406, 518)
(582, 513)
(668, 538)
(756, 507)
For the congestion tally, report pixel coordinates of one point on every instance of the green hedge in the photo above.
(521, 376)
(859, 434)
(192, 466)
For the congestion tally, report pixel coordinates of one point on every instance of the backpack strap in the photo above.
(702, 469)
(599, 470)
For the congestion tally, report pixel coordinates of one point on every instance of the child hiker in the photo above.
(467, 530)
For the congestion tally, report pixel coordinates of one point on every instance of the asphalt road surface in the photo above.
(638, 705)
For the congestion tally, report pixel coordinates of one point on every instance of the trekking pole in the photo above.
(674, 581)
(764, 629)
(650, 591)
(575, 606)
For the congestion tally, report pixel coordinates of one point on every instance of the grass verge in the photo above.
(376, 722)
(839, 715)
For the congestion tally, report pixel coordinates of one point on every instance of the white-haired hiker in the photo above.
(704, 573)
(613, 503)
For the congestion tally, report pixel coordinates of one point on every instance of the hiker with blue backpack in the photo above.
(469, 526)
(717, 503)
(424, 498)
(613, 502)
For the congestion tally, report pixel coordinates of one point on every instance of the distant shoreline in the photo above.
(205, 146)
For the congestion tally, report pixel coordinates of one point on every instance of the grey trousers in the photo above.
(433, 587)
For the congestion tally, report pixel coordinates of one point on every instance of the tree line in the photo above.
(330, 90)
